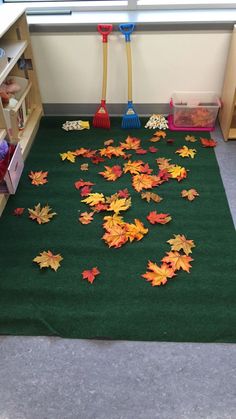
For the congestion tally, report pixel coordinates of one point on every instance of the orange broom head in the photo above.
(101, 118)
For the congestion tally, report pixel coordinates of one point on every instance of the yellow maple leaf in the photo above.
(133, 167)
(94, 199)
(135, 231)
(38, 178)
(69, 155)
(41, 215)
(181, 243)
(177, 172)
(48, 260)
(189, 194)
(120, 205)
(158, 275)
(178, 261)
(112, 220)
(84, 166)
(186, 152)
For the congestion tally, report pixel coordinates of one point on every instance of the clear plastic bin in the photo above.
(195, 109)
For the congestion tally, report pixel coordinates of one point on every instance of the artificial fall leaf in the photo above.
(112, 220)
(164, 175)
(108, 142)
(70, 155)
(131, 143)
(48, 260)
(80, 151)
(116, 236)
(112, 173)
(90, 274)
(81, 183)
(146, 169)
(181, 243)
(100, 207)
(123, 193)
(178, 261)
(120, 205)
(158, 275)
(141, 151)
(84, 166)
(155, 218)
(155, 139)
(190, 194)
(190, 138)
(41, 215)
(135, 231)
(163, 163)
(143, 181)
(177, 172)
(153, 149)
(38, 178)
(170, 141)
(133, 167)
(111, 151)
(159, 134)
(86, 217)
(18, 211)
(96, 159)
(208, 143)
(186, 152)
(85, 190)
(94, 198)
(151, 196)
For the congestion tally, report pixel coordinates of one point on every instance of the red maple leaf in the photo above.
(80, 183)
(90, 274)
(155, 218)
(170, 141)
(153, 149)
(141, 151)
(97, 159)
(123, 193)
(208, 143)
(146, 169)
(85, 190)
(18, 211)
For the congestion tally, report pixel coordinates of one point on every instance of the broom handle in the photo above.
(128, 51)
(104, 81)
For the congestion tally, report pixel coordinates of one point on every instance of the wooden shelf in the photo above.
(3, 134)
(14, 50)
(27, 135)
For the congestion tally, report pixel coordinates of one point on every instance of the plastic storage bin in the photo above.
(194, 110)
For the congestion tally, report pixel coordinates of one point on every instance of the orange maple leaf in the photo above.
(178, 261)
(181, 243)
(80, 151)
(133, 167)
(163, 163)
(38, 178)
(80, 183)
(41, 214)
(48, 260)
(84, 166)
(131, 143)
(160, 134)
(206, 142)
(112, 220)
(190, 138)
(143, 181)
(151, 196)
(112, 173)
(90, 274)
(155, 218)
(111, 151)
(158, 275)
(108, 142)
(116, 236)
(86, 217)
(190, 194)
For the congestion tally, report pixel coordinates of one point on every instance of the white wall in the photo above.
(69, 65)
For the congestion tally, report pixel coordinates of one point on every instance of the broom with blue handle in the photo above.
(130, 118)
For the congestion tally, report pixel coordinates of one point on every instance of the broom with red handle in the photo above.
(101, 118)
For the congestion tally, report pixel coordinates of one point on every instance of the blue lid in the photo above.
(2, 53)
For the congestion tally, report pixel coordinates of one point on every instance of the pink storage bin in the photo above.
(13, 173)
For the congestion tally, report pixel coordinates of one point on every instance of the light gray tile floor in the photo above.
(52, 378)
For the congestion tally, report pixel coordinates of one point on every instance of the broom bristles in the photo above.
(130, 118)
(101, 118)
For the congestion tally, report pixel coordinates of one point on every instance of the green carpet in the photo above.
(192, 307)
